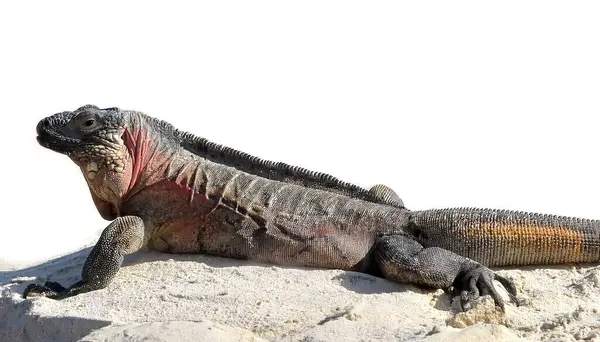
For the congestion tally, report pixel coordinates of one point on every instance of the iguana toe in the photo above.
(35, 290)
(479, 281)
(50, 289)
(54, 286)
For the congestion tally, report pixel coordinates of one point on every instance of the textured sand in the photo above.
(162, 297)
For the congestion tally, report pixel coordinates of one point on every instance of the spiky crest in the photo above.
(278, 171)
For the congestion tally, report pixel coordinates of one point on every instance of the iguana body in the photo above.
(174, 192)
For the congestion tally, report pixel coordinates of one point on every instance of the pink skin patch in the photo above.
(137, 144)
(324, 231)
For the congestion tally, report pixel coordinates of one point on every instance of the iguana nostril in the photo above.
(42, 125)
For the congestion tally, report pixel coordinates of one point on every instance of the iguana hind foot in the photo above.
(386, 195)
(477, 280)
(402, 259)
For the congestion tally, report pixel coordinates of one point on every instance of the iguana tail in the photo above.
(508, 238)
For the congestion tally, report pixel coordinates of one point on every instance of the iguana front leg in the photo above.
(124, 235)
(403, 259)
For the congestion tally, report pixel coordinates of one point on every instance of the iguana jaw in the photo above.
(50, 137)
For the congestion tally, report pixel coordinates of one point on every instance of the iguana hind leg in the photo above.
(124, 235)
(404, 260)
(385, 194)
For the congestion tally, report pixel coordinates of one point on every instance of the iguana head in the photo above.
(100, 143)
(84, 133)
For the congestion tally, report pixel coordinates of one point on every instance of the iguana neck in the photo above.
(151, 154)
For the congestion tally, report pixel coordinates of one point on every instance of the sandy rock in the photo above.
(180, 331)
(474, 333)
(483, 311)
(155, 294)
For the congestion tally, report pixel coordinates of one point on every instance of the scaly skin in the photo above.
(509, 238)
(178, 193)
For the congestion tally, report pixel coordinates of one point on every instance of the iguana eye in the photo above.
(89, 123)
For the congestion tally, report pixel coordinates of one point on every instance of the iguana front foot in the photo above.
(54, 290)
(49, 289)
(476, 280)
(124, 235)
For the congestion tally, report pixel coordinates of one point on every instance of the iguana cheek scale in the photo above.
(175, 192)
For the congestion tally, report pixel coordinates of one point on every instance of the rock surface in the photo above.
(162, 297)
(180, 331)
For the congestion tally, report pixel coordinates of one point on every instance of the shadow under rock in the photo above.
(67, 269)
(368, 284)
(67, 263)
(209, 260)
(41, 329)
(57, 267)
(19, 325)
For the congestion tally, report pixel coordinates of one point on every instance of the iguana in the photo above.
(175, 192)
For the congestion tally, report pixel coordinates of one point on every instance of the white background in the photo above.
(472, 103)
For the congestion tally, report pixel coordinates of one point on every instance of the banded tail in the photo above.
(509, 238)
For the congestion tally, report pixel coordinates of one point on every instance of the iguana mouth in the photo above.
(49, 138)
(57, 143)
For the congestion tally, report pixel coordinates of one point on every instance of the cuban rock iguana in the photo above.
(175, 192)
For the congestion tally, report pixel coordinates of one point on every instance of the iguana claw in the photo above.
(50, 289)
(479, 281)
(35, 290)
